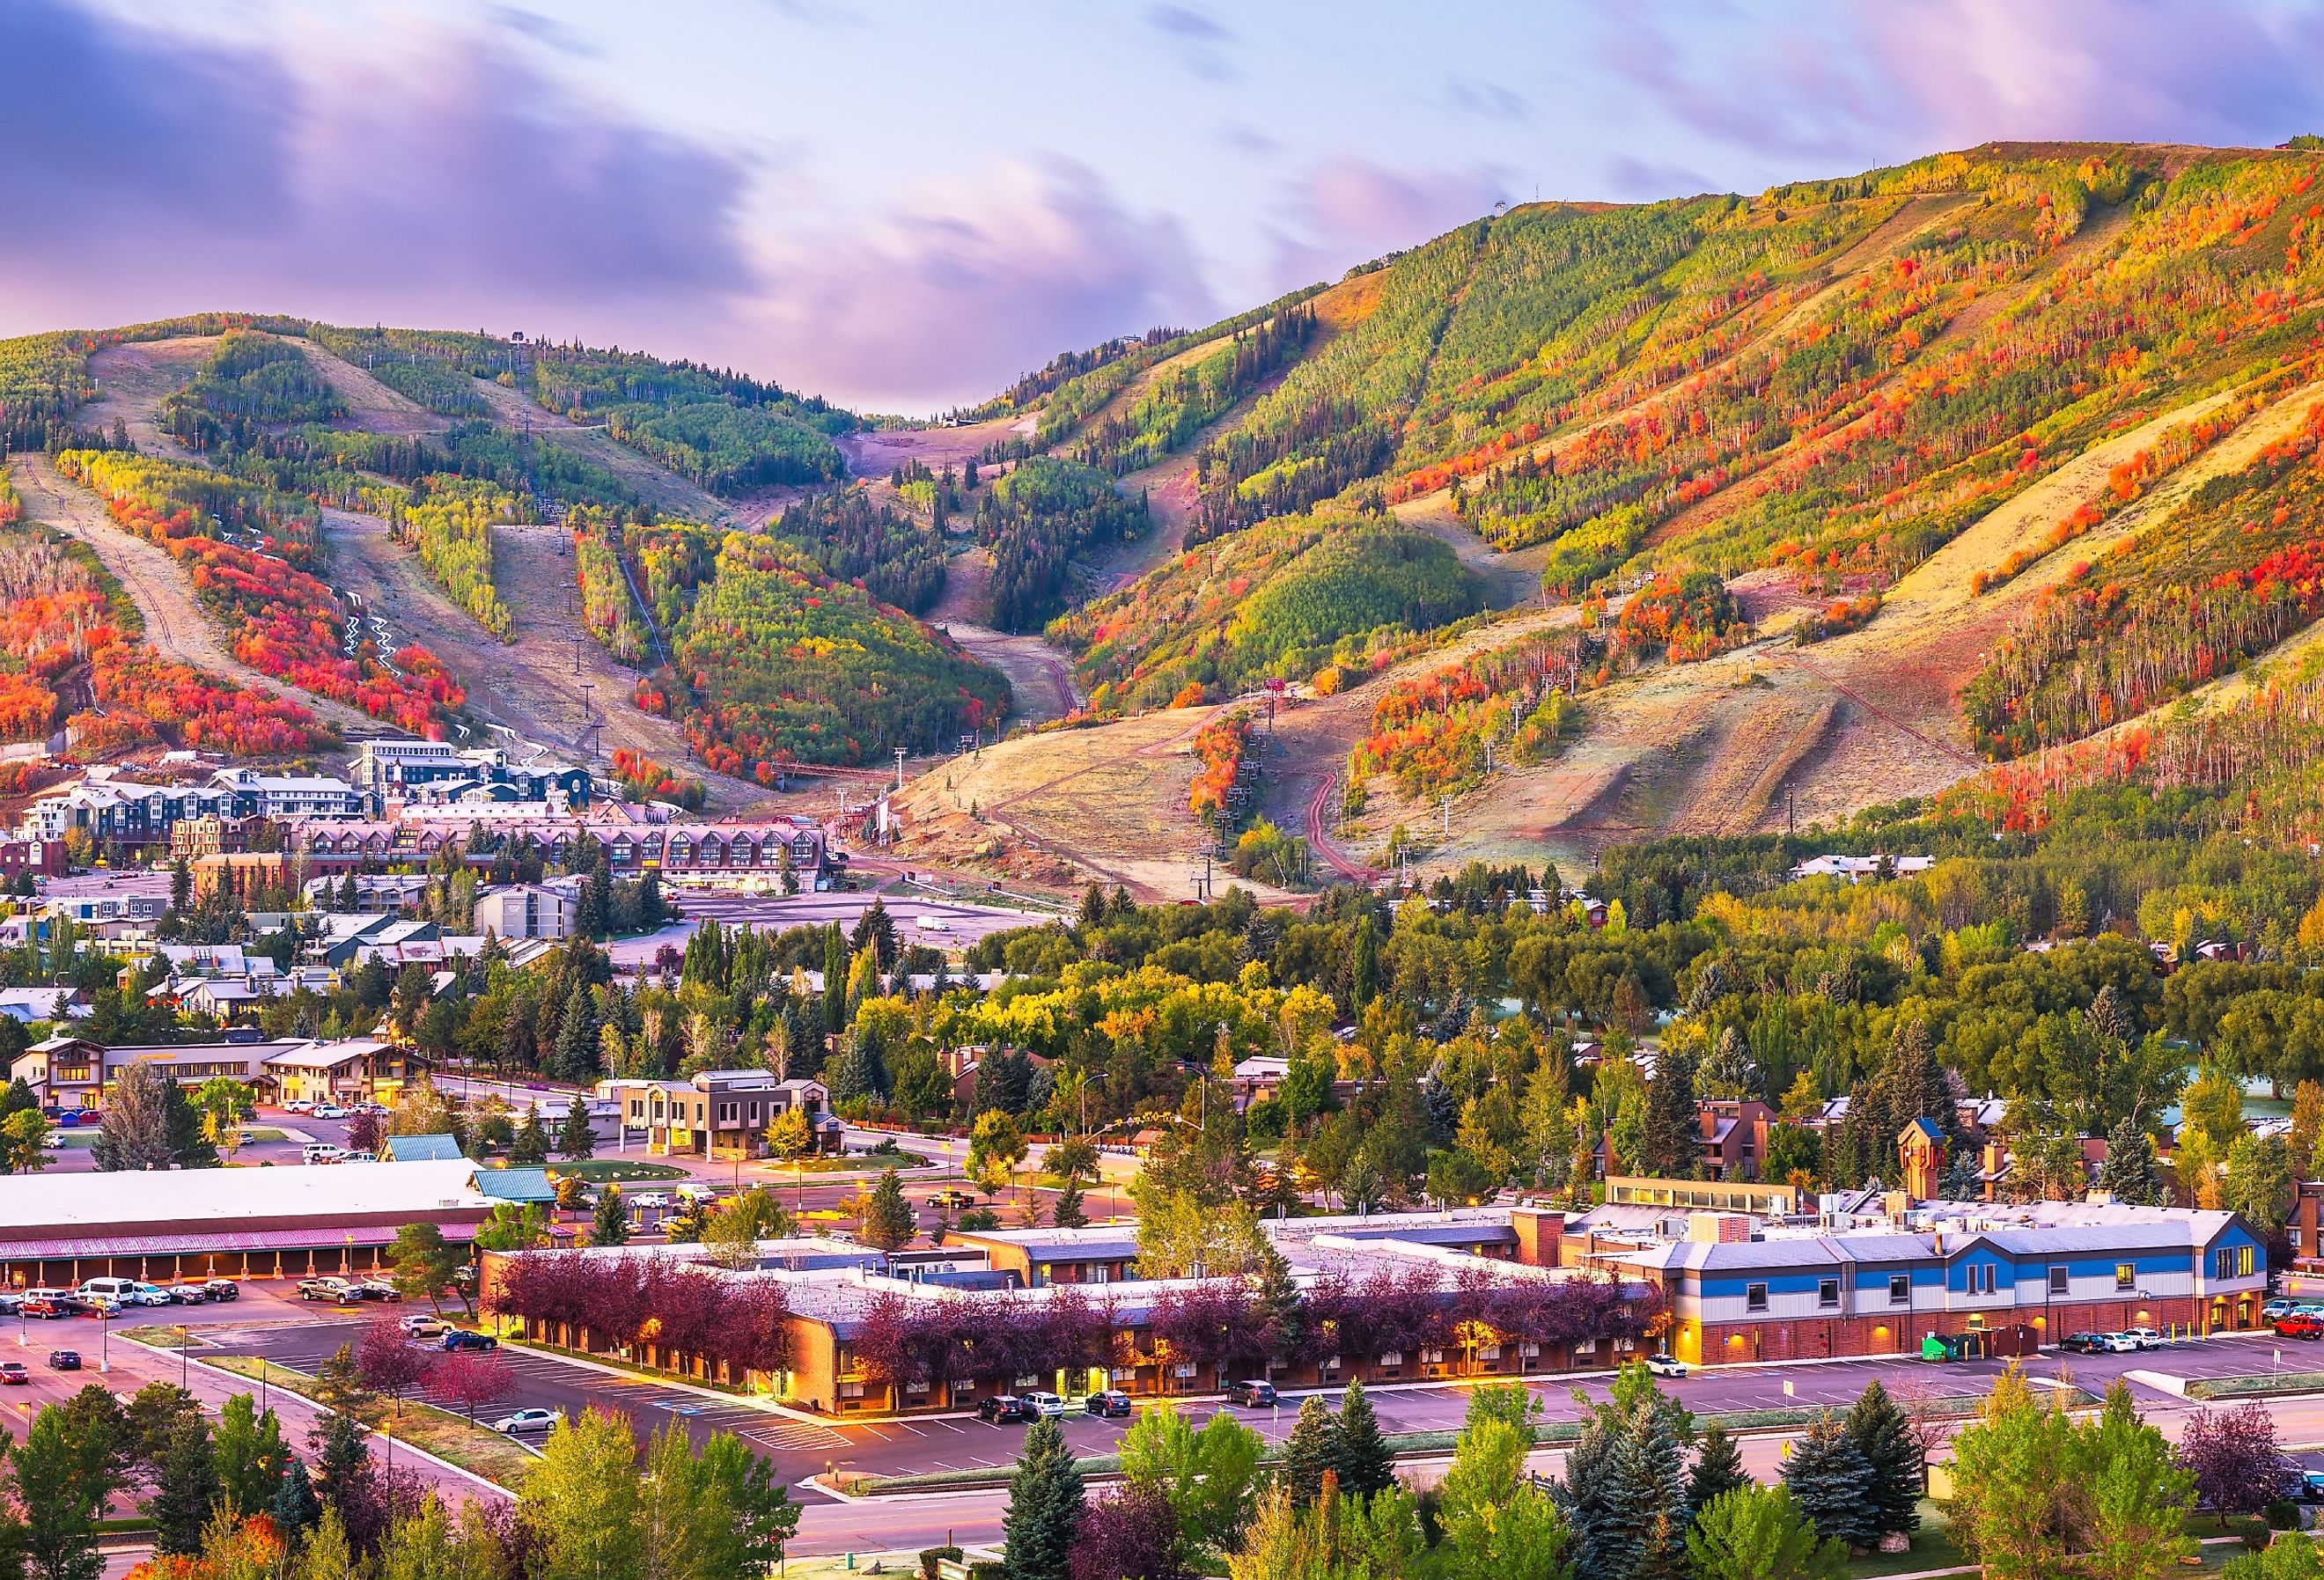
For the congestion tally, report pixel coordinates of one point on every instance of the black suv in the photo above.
(460, 1338)
(1111, 1402)
(1251, 1392)
(1003, 1407)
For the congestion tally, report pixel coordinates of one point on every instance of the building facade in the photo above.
(719, 1114)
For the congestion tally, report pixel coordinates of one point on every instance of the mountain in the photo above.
(1714, 515)
(1798, 502)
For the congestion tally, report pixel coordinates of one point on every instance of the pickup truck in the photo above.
(334, 1290)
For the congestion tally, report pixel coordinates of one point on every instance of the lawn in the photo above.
(857, 1163)
(1932, 1548)
(448, 1436)
(599, 1170)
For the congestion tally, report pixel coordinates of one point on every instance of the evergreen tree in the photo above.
(1729, 1071)
(59, 1476)
(1068, 1213)
(2130, 1172)
(349, 1481)
(1045, 1507)
(1828, 1478)
(1662, 1556)
(1276, 1302)
(295, 1508)
(185, 1490)
(609, 1224)
(1643, 1499)
(888, 1223)
(249, 1455)
(1311, 1453)
(532, 1144)
(1668, 1148)
(1718, 1469)
(1892, 1455)
(834, 979)
(1363, 965)
(573, 1137)
(1365, 1463)
(577, 1037)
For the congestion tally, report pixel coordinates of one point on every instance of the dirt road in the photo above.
(1040, 676)
(156, 584)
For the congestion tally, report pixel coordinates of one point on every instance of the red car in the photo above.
(12, 1371)
(2304, 1325)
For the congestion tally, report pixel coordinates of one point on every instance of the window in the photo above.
(1391, 1358)
(1900, 1289)
(2125, 1276)
(1028, 1380)
(1755, 1297)
(1096, 1274)
(2058, 1278)
(851, 1391)
(1828, 1293)
(2232, 1262)
(1979, 1277)
(1432, 1358)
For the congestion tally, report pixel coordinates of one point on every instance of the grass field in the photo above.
(497, 1458)
(621, 1171)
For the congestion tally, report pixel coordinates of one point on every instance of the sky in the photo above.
(902, 206)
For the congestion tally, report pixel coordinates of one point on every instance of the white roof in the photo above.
(231, 1195)
(323, 1056)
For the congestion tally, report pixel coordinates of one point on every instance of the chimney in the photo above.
(1539, 1231)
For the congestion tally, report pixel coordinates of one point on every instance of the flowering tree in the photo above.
(472, 1380)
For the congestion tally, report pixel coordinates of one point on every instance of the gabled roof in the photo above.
(422, 1149)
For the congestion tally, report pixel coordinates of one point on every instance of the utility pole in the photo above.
(899, 768)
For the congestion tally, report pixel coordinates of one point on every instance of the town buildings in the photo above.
(718, 1113)
(67, 1073)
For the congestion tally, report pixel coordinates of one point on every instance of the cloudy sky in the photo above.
(902, 205)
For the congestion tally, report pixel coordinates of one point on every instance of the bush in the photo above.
(929, 1556)
(2283, 1514)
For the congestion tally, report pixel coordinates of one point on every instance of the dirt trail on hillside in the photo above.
(132, 380)
(372, 406)
(157, 584)
(1772, 732)
(660, 488)
(1040, 676)
(533, 685)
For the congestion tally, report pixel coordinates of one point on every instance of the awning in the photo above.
(212, 1244)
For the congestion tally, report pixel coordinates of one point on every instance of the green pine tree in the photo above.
(1366, 1463)
(888, 1223)
(573, 1137)
(1282, 1313)
(1045, 1507)
(2130, 1172)
(1884, 1438)
(1311, 1452)
(532, 1144)
(1828, 1478)
(1717, 1468)
(185, 1489)
(610, 1223)
(295, 1508)
(1068, 1213)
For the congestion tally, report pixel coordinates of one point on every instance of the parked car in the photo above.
(951, 1197)
(329, 1110)
(651, 1198)
(2277, 1307)
(1044, 1403)
(379, 1290)
(223, 1289)
(322, 1152)
(361, 1157)
(2085, 1344)
(334, 1290)
(10, 1300)
(64, 1360)
(2311, 1483)
(1002, 1407)
(2140, 1338)
(14, 1375)
(2302, 1324)
(299, 1105)
(693, 1190)
(423, 1325)
(527, 1421)
(1665, 1364)
(150, 1295)
(40, 1307)
(1113, 1401)
(461, 1339)
(102, 1307)
(1253, 1392)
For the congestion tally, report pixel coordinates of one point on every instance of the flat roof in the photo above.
(133, 1199)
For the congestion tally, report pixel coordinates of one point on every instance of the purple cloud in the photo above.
(968, 282)
(440, 181)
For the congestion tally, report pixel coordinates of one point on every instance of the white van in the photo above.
(322, 1152)
(117, 1290)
